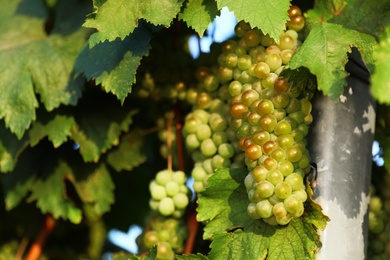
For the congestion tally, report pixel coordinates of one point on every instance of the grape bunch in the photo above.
(169, 193)
(169, 234)
(208, 136)
(271, 119)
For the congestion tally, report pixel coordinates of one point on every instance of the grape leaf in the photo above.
(56, 127)
(129, 154)
(380, 80)
(324, 53)
(29, 58)
(268, 15)
(94, 185)
(364, 16)
(49, 192)
(198, 256)
(10, 148)
(114, 64)
(198, 14)
(235, 235)
(18, 183)
(127, 14)
(98, 127)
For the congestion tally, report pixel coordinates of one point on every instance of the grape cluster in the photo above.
(208, 136)
(271, 119)
(170, 195)
(168, 234)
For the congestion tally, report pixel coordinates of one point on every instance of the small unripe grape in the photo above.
(150, 238)
(296, 22)
(202, 115)
(172, 188)
(268, 122)
(286, 42)
(259, 173)
(208, 148)
(180, 200)
(231, 60)
(158, 192)
(191, 124)
(218, 123)
(281, 84)
(204, 132)
(238, 110)
(244, 130)
(286, 55)
(164, 251)
(241, 28)
(269, 81)
(253, 118)
(235, 88)
(220, 138)
(260, 137)
(261, 70)
(211, 83)
(166, 206)
(264, 188)
(266, 40)
(163, 177)
(293, 153)
(272, 49)
(252, 38)
(254, 196)
(264, 208)
(270, 163)
(293, 106)
(279, 210)
(229, 46)
(274, 61)
(283, 190)
(203, 100)
(284, 220)
(252, 212)
(269, 147)
(244, 62)
(300, 194)
(265, 107)
(286, 167)
(282, 128)
(295, 180)
(219, 162)
(293, 205)
(253, 151)
(274, 199)
(275, 177)
(224, 74)
(249, 181)
(179, 177)
(280, 99)
(279, 154)
(226, 150)
(198, 173)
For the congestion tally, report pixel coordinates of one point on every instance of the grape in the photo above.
(253, 151)
(264, 208)
(274, 61)
(204, 132)
(150, 239)
(172, 188)
(163, 177)
(261, 70)
(158, 192)
(283, 190)
(208, 148)
(279, 210)
(295, 180)
(180, 200)
(293, 205)
(238, 110)
(217, 122)
(192, 141)
(166, 206)
(275, 177)
(264, 188)
(226, 150)
(259, 173)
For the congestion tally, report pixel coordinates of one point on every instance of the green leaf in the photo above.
(10, 148)
(114, 64)
(49, 192)
(324, 53)
(94, 185)
(364, 16)
(235, 235)
(18, 183)
(99, 127)
(198, 256)
(268, 15)
(129, 153)
(29, 58)
(56, 127)
(198, 14)
(127, 14)
(380, 80)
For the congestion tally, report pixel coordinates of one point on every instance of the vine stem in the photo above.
(169, 140)
(36, 247)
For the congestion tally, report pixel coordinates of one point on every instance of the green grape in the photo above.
(244, 62)
(253, 118)
(192, 141)
(269, 163)
(283, 190)
(300, 194)
(264, 208)
(198, 173)
(268, 123)
(226, 150)
(293, 206)
(208, 148)
(158, 192)
(172, 188)
(261, 70)
(191, 124)
(166, 206)
(249, 181)
(252, 38)
(204, 132)
(217, 122)
(274, 61)
(269, 81)
(235, 88)
(253, 151)
(164, 251)
(211, 83)
(249, 96)
(293, 153)
(282, 128)
(280, 99)
(220, 138)
(286, 167)
(278, 154)
(260, 137)
(252, 211)
(201, 115)
(279, 210)
(259, 173)
(150, 239)
(275, 177)
(265, 107)
(180, 200)
(269, 147)
(295, 180)
(179, 177)
(163, 177)
(287, 42)
(286, 56)
(219, 162)
(264, 188)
